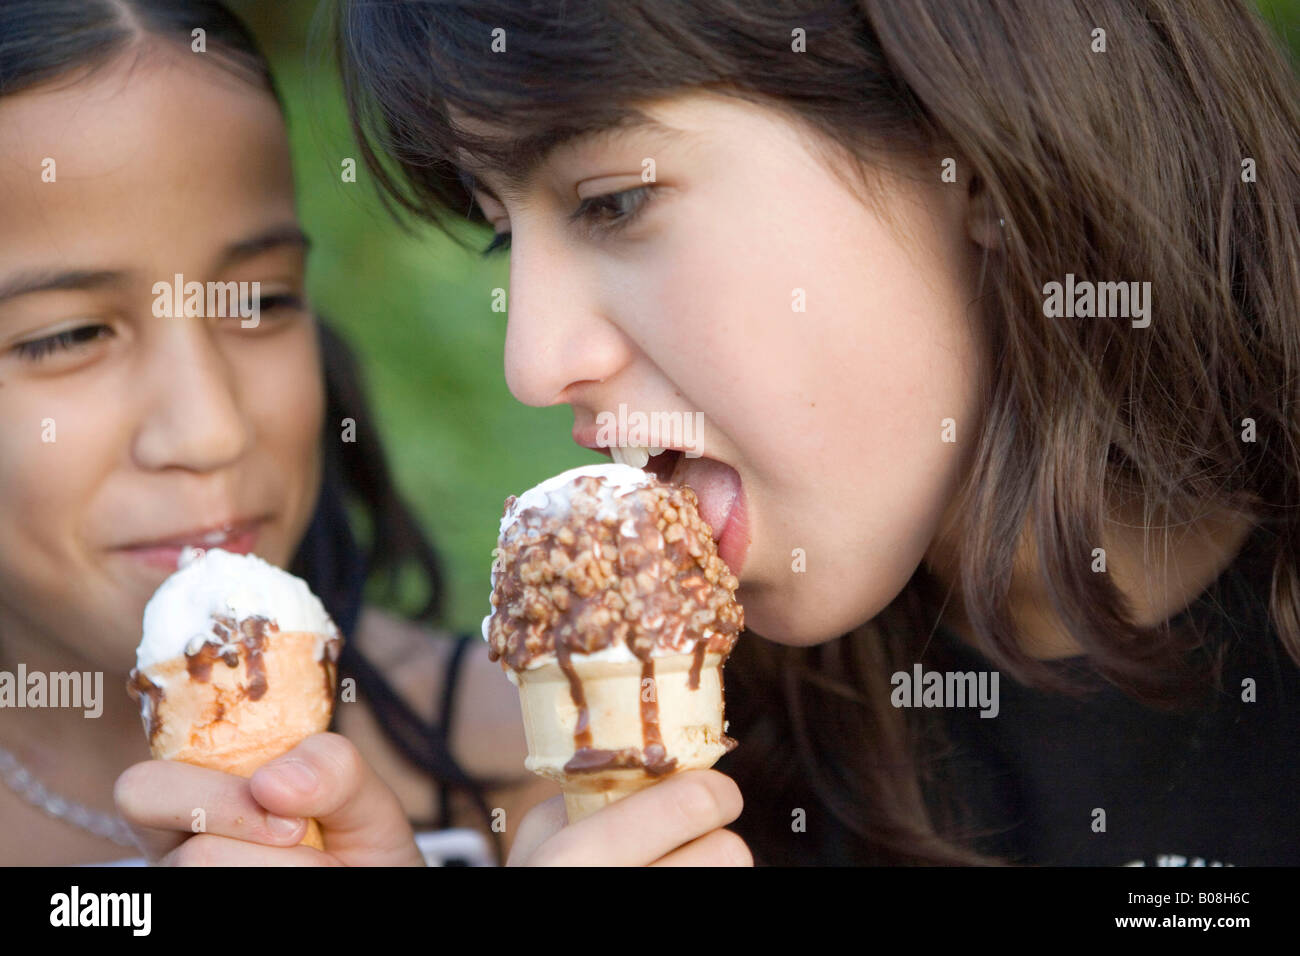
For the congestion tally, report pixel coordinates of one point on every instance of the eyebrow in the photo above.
(49, 280)
(534, 151)
(86, 280)
(274, 238)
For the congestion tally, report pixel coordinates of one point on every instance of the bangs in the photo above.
(436, 86)
(451, 87)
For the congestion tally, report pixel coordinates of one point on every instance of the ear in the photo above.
(983, 223)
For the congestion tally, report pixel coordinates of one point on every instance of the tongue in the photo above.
(715, 484)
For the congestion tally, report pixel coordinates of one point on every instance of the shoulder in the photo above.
(411, 658)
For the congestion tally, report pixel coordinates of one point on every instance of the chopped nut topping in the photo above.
(648, 577)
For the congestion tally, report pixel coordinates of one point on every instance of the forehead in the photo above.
(513, 159)
(150, 156)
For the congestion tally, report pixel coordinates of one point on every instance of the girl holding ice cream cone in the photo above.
(128, 158)
(843, 231)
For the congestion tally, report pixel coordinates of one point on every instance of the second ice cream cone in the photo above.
(613, 614)
(237, 711)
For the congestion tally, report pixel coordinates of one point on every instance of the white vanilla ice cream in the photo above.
(216, 583)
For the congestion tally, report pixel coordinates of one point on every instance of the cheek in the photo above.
(290, 403)
(58, 442)
(830, 354)
(817, 338)
(287, 407)
(721, 292)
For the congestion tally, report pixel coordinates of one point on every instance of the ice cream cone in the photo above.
(236, 665)
(613, 614)
(235, 719)
(636, 724)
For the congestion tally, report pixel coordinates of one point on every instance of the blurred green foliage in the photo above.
(417, 310)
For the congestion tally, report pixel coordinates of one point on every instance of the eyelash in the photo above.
(590, 209)
(269, 303)
(70, 339)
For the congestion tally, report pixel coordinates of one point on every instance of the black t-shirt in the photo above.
(1213, 785)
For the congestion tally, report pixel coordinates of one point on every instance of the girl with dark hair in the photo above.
(991, 310)
(142, 139)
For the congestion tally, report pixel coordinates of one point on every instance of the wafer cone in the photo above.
(217, 723)
(690, 722)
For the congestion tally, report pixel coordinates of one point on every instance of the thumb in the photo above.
(326, 778)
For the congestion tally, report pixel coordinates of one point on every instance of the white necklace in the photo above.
(20, 780)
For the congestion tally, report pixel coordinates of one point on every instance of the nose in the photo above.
(556, 334)
(193, 418)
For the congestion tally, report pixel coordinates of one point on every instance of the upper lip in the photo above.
(196, 537)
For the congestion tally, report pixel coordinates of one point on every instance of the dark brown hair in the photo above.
(1123, 165)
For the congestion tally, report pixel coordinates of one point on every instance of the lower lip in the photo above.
(733, 541)
(167, 557)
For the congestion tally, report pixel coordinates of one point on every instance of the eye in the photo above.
(612, 210)
(279, 300)
(602, 214)
(68, 340)
(274, 305)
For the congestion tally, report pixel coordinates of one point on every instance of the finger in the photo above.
(647, 825)
(719, 848)
(207, 849)
(538, 825)
(326, 778)
(164, 802)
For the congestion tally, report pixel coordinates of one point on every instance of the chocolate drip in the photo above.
(727, 742)
(254, 630)
(200, 664)
(581, 732)
(591, 759)
(588, 759)
(656, 759)
(701, 647)
(137, 684)
(328, 663)
(227, 631)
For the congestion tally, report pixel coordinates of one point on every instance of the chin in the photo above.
(781, 621)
